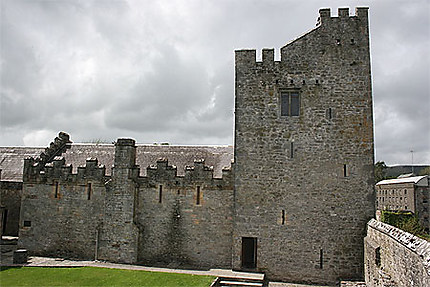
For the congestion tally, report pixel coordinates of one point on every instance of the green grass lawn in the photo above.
(93, 276)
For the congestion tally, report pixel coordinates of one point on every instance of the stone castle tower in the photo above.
(294, 204)
(304, 154)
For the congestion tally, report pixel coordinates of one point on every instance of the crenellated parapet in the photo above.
(342, 32)
(58, 170)
(325, 18)
(197, 174)
(199, 171)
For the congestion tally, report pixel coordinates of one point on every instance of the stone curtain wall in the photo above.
(60, 211)
(304, 184)
(186, 221)
(394, 257)
(10, 196)
(125, 217)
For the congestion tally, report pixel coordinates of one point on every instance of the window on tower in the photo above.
(290, 103)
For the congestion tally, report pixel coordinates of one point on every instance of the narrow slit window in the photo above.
(160, 194)
(56, 187)
(283, 217)
(89, 191)
(345, 170)
(329, 114)
(321, 259)
(198, 196)
(378, 256)
(291, 150)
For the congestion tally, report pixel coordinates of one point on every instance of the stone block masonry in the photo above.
(10, 200)
(294, 204)
(160, 219)
(394, 257)
(304, 154)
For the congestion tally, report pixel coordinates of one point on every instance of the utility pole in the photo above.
(412, 154)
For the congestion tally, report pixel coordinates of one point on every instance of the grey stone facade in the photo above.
(394, 257)
(304, 183)
(294, 204)
(161, 219)
(10, 201)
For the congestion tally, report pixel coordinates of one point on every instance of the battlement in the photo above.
(313, 43)
(162, 171)
(59, 170)
(342, 14)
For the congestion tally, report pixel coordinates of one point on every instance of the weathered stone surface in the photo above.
(20, 256)
(186, 221)
(313, 172)
(301, 188)
(394, 257)
(10, 201)
(121, 218)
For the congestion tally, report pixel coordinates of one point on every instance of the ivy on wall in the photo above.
(406, 221)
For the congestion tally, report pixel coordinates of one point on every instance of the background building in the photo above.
(405, 194)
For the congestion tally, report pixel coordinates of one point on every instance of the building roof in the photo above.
(12, 161)
(414, 179)
(12, 158)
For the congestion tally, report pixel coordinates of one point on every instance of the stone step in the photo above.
(240, 283)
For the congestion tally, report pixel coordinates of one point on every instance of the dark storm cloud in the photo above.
(163, 71)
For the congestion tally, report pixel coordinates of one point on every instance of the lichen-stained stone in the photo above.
(304, 153)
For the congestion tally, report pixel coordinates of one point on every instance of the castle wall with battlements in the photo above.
(159, 219)
(304, 153)
(294, 204)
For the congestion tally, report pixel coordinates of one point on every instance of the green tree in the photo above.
(380, 168)
(425, 171)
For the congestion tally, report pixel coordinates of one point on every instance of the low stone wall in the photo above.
(394, 257)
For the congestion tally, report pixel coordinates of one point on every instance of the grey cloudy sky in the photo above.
(163, 71)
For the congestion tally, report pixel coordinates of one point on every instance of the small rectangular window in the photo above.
(198, 196)
(160, 194)
(290, 103)
(321, 259)
(345, 170)
(27, 223)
